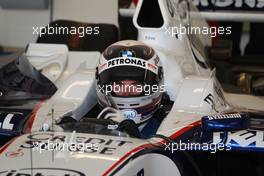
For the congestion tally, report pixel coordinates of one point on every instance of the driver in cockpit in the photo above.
(129, 78)
(130, 90)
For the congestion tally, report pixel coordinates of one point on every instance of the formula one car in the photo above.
(200, 121)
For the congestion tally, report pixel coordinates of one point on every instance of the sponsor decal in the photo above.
(210, 100)
(105, 146)
(141, 172)
(14, 154)
(243, 138)
(130, 113)
(224, 116)
(126, 53)
(11, 120)
(217, 100)
(6, 122)
(42, 172)
(128, 61)
(229, 5)
(149, 37)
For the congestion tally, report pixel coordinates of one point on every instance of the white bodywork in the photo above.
(74, 77)
(187, 84)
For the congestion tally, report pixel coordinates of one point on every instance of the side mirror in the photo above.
(225, 122)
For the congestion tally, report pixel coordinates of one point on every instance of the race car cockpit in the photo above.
(130, 93)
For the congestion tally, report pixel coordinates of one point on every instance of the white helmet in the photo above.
(129, 77)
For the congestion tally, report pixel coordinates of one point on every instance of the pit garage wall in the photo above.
(94, 11)
(16, 26)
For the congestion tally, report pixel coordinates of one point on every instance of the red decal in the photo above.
(14, 154)
(144, 146)
(32, 117)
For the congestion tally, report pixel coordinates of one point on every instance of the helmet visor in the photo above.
(127, 88)
(128, 81)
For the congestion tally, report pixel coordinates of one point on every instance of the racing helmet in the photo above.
(129, 77)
